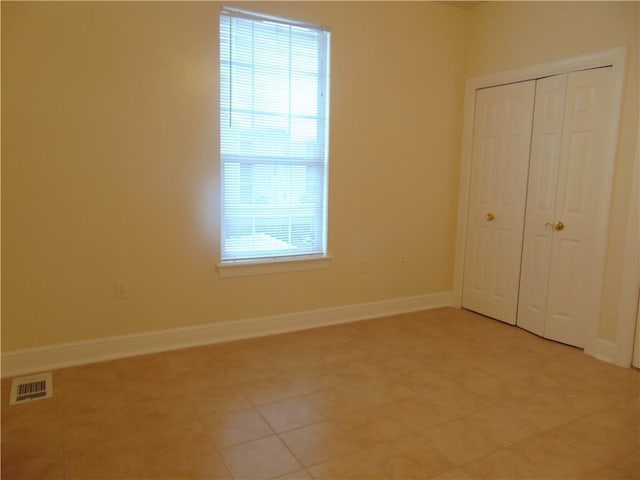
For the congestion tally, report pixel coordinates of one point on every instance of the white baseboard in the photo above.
(605, 350)
(18, 362)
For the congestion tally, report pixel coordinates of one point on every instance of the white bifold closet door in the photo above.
(499, 164)
(538, 201)
(567, 203)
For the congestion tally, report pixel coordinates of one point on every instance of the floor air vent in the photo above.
(33, 387)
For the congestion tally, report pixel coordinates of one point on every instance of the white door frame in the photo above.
(628, 350)
(613, 57)
(636, 347)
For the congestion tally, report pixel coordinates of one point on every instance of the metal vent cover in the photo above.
(33, 387)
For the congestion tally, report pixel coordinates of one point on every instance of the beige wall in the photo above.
(109, 156)
(110, 161)
(507, 35)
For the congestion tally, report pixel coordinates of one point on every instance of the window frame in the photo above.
(270, 263)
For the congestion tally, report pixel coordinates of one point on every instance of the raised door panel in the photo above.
(541, 198)
(478, 271)
(500, 156)
(581, 203)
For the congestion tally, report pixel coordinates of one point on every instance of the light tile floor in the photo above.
(443, 394)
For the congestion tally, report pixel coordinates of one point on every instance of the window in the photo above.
(273, 137)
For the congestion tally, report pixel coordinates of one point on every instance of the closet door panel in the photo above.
(546, 142)
(478, 269)
(581, 203)
(499, 164)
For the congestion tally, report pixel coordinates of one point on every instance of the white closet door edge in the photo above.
(628, 350)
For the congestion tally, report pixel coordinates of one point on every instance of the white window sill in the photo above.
(264, 267)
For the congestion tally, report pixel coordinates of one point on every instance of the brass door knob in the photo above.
(557, 226)
(490, 217)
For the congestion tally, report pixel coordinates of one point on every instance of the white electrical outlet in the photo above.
(121, 290)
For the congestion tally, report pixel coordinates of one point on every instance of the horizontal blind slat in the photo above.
(257, 17)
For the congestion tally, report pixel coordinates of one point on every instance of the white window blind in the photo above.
(273, 137)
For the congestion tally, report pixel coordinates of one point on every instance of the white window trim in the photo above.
(273, 265)
(289, 261)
